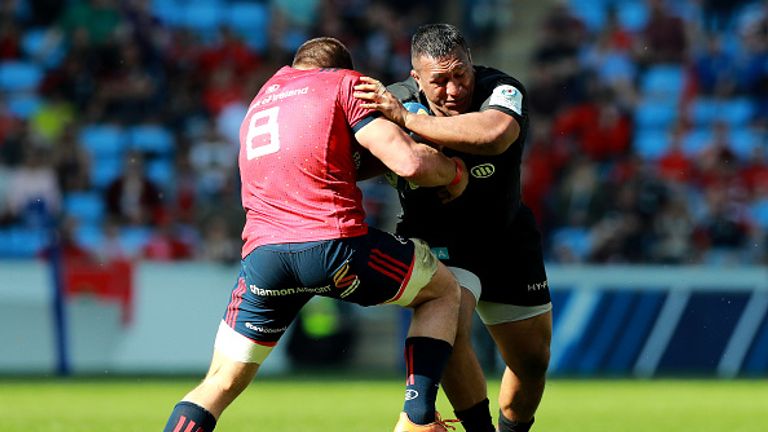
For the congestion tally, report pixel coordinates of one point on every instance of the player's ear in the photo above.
(415, 77)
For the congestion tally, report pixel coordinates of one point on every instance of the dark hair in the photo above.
(323, 52)
(437, 41)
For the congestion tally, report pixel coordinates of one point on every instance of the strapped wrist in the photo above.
(459, 172)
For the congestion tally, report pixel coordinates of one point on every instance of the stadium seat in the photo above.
(24, 105)
(651, 144)
(89, 235)
(161, 171)
(134, 238)
(103, 140)
(251, 21)
(758, 211)
(19, 242)
(170, 12)
(696, 140)
(591, 12)
(36, 44)
(203, 17)
(663, 82)
(653, 113)
(633, 15)
(104, 170)
(19, 76)
(86, 206)
(737, 111)
(573, 239)
(743, 141)
(702, 111)
(150, 138)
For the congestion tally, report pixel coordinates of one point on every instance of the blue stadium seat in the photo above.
(655, 113)
(203, 17)
(696, 140)
(633, 15)
(103, 140)
(18, 76)
(151, 139)
(36, 44)
(743, 142)
(703, 110)
(759, 213)
(591, 12)
(89, 236)
(19, 242)
(134, 238)
(737, 111)
(576, 240)
(663, 81)
(24, 105)
(104, 170)
(651, 144)
(161, 172)
(170, 12)
(251, 21)
(86, 206)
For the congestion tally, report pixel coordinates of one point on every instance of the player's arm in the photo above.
(419, 163)
(488, 132)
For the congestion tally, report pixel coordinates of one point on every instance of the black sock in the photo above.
(507, 425)
(477, 418)
(425, 359)
(188, 417)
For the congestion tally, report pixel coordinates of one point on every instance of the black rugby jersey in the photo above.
(492, 197)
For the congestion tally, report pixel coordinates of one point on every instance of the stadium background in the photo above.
(646, 164)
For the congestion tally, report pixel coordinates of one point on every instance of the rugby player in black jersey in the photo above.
(488, 237)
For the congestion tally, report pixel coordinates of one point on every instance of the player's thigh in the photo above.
(263, 303)
(442, 284)
(525, 344)
(387, 269)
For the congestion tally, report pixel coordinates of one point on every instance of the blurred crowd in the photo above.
(119, 121)
(648, 140)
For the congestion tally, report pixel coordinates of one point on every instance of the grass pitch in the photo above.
(341, 403)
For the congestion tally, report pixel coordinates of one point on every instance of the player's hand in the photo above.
(377, 97)
(449, 193)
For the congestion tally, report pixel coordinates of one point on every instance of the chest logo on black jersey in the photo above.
(483, 170)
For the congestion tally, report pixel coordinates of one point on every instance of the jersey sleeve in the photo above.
(356, 115)
(507, 95)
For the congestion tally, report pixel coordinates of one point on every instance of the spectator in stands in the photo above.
(133, 198)
(663, 40)
(71, 162)
(598, 128)
(715, 69)
(33, 192)
(215, 162)
(673, 231)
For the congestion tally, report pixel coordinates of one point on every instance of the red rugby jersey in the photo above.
(297, 159)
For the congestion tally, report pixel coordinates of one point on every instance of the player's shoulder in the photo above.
(406, 90)
(488, 78)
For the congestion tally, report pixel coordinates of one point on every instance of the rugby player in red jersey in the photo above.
(305, 235)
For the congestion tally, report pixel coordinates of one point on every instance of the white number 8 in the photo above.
(266, 146)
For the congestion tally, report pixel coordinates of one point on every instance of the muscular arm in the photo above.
(416, 162)
(488, 132)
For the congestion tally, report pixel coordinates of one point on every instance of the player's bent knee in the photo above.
(420, 284)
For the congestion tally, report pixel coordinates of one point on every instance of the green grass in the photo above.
(344, 403)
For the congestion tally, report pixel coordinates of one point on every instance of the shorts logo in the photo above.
(537, 286)
(411, 394)
(342, 280)
(265, 330)
(483, 170)
(288, 291)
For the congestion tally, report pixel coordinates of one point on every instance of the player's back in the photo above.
(296, 159)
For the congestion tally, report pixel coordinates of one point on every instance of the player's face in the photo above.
(447, 82)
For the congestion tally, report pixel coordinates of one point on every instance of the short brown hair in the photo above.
(323, 52)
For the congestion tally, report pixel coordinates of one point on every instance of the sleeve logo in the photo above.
(508, 97)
